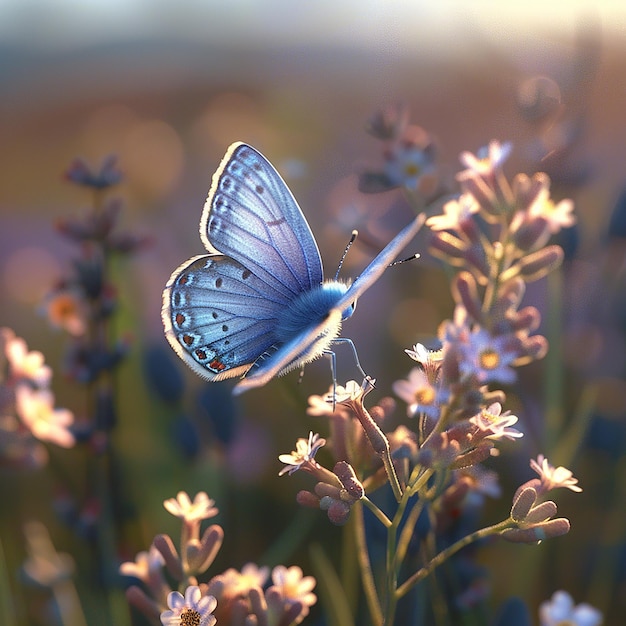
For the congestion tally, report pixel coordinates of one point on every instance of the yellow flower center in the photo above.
(190, 617)
(489, 359)
(425, 396)
(411, 169)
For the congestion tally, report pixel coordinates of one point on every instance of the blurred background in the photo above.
(167, 87)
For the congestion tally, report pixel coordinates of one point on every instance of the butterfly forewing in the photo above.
(251, 216)
(219, 316)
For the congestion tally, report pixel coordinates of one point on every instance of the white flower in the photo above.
(193, 609)
(305, 452)
(560, 611)
(144, 564)
(293, 586)
(486, 161)
(454, 212)
(419, 394)
(497, 425)
(554, 477)
(35, 407)
(24, 363)
(182, 507)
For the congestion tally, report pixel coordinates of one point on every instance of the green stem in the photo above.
(448, 552)
(384, 520)
(367, 576)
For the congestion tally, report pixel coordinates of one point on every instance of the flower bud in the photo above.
(536, 534)
(538, 264)
(523, 503)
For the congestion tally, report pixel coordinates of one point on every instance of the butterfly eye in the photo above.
(348, 311)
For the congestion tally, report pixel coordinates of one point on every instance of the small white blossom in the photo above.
(305, 452)
(192, 609)
(554, 477)
(201, 508)
(560, 611)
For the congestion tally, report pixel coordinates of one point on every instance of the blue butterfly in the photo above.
(257, 305)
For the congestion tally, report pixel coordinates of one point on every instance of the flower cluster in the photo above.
(82, 302)
(233, 597)
(497, 235)
(28, 415)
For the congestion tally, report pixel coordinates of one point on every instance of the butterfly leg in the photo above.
(356, 356)
(333, 371)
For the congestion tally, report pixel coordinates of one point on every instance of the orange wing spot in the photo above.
(180, 319)
(217, 365)
(187, 339)
(201, 354)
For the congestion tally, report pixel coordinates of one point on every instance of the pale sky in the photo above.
(402, 24)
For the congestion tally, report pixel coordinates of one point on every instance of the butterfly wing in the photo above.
(218, 316)
(251, 215)
(380, 263)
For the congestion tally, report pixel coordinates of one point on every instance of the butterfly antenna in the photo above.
(399, 261)
(355, 234)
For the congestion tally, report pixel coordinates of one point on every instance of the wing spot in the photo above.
(277, 222)
(257, 166)
(218, 282)
(188, 340)
(225, 328)
(259, 189)
(183, 280)
(180, 319)
(201, 354)
(226, 183)
(176, 299)
(216, 365)
(214, 314)
(246, 274)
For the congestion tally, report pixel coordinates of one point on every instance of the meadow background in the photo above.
(167, 87)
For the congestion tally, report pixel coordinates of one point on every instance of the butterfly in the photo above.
(257, 306)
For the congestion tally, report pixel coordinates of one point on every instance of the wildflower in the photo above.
(490, 420)
(66, 309)
(352, 392)
(419, 393)
(557, 216)
(488, 358)
(239, 583)
(293, 586)
(553, 477)
(304, 454)
(486, 161)
(193, 609)
(560, 610)
(455, 212)
(201, 508)
(144, 564)
(35, 408)
(44, 564)
(410, 161)
(81, 173)
(24, 363)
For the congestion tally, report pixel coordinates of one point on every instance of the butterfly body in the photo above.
(257, 305)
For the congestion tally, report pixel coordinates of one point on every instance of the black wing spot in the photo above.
(214, 315)
(246, 274)
(218, 282)
(259, 189)
(225, 328)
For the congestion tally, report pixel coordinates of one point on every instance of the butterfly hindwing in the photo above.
(251, 215)
(218, 316)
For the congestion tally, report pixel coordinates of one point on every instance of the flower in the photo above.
(490, 421)
(553, 477)
(239, 583)
(407, 163)
(352, 392)
(201, 508)
(35, 407)
(193, 609)
(454, 212)
(303, 454)
(488, 358)
(24, 363)
(557, 216)
(144, 564)
(419, 393)
(486, 161)
(66, 309)
(560, 610)
(293, 586)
